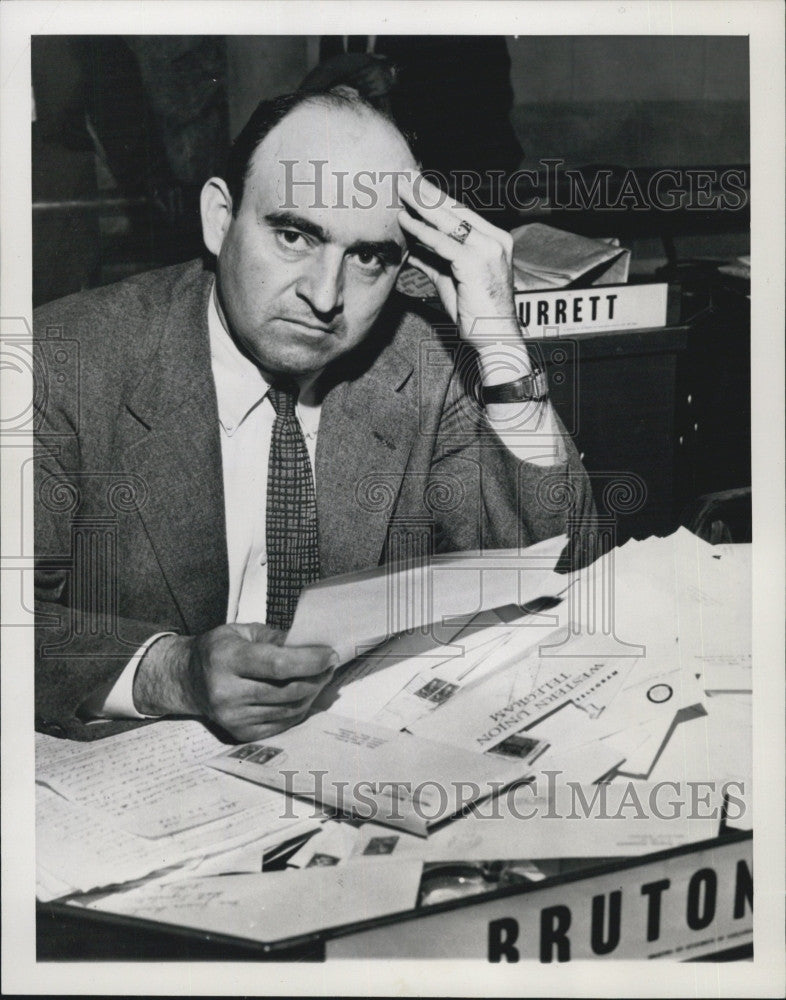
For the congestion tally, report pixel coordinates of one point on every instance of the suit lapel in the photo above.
(171, 438)
(365, 437)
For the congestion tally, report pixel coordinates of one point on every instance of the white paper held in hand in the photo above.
(356, 612)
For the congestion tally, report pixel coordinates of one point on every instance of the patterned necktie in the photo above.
(291, 530)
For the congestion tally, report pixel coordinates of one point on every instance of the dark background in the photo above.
(127, 129)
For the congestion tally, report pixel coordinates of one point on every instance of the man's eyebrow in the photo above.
(387, 250)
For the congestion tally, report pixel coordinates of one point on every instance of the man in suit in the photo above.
(162, 534)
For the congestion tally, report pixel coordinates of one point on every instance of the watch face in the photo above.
(540, 389)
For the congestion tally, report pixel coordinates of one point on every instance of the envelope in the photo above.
(374, 773)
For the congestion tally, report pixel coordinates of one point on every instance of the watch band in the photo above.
(530, 388)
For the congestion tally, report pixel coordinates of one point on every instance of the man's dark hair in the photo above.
(268, 114)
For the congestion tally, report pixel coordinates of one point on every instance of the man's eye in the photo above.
(291, 239)
(369, 261)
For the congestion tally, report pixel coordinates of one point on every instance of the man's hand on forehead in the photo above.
(473, 270)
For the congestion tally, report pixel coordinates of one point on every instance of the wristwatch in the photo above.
(530, 388)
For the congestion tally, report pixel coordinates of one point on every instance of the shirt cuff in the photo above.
(116, 700)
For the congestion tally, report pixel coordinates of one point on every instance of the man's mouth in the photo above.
(314, 327)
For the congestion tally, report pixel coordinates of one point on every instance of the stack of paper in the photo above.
(643, 648)
(545, 257)
(542, 820)
(537, 821)
(623, 707)
(689, 603)
(116, 810)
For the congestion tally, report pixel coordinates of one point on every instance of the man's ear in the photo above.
(215, 205)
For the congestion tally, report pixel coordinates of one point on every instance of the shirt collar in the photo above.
(241, 386)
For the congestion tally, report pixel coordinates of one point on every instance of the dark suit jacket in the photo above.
(130, 532)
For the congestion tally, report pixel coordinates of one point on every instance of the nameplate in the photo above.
(689, 904)
(568, 312)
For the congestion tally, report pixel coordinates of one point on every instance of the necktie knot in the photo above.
(283, 395)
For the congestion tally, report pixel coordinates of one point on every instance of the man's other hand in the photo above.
(241, 677)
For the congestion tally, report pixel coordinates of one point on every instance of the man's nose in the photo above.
(322, 284)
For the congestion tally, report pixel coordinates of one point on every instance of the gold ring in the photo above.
(461, 232)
